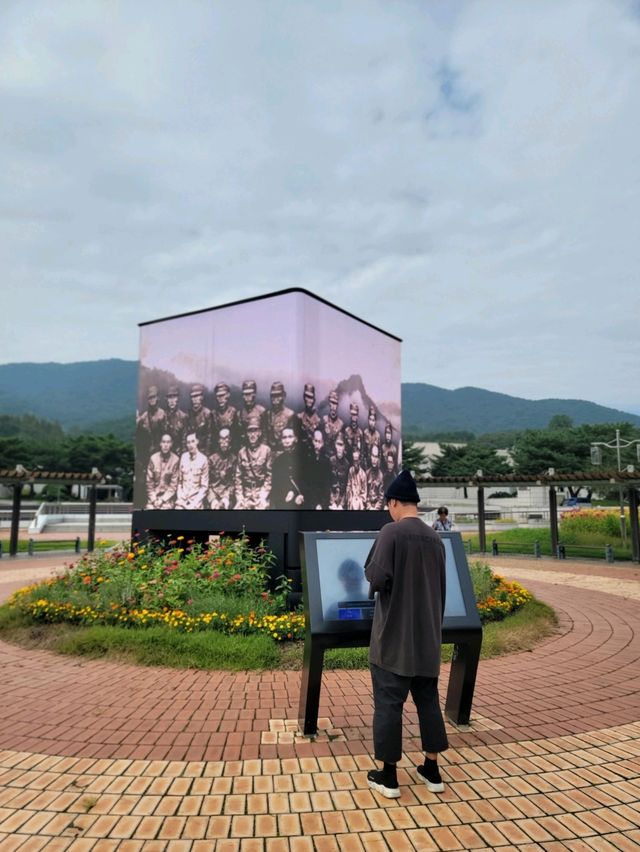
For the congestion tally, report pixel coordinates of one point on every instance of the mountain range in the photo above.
(100, 396)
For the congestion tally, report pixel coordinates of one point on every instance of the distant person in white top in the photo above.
(443, 524)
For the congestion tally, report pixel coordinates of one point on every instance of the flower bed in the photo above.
(183, 586)
(188, 587)
(495, 596)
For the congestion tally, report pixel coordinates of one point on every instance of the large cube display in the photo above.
(279, 402)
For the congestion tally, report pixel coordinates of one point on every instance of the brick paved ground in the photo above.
(102, 756)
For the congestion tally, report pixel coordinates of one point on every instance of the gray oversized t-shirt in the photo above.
(406, 566)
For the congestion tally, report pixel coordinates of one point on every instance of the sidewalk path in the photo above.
(102, 756)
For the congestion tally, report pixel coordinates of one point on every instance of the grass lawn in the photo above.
(44, 546)
(161, 646)
(588, 546)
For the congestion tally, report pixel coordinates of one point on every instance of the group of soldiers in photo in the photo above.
(254, 457)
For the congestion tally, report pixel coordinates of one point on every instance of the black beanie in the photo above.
(403, 488)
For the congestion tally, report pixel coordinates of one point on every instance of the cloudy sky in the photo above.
(464, 175)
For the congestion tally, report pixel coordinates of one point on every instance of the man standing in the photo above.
(353, 435)
(277, 417)
(375, 481)
(176, 419)
(286, 492)
(406, 568)
(371, 436)
(317, 474)
(389, 447)
(250, 408)
(390, 471)
(308, 419)
(253, 471)
(222, 471)
(199, 419)
(151, 424)
(356, 484)
(223, 416)
(332, 425)
(162, 476)
(193, 477)
(339, 475)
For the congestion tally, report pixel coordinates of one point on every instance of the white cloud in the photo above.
(464, 175)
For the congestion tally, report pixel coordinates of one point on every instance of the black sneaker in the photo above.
(380, 782)
(430, 774)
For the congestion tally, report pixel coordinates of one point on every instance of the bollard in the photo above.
(77, 545)
(30, 547)
(494, 548)
(536, 549)
(0, 550)
(608, 552)
(467, 545)
(561, 552)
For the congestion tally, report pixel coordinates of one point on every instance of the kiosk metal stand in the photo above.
(461, 626)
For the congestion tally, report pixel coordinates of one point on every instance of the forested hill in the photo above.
(76, 395)
(100, 396)
(427, 408)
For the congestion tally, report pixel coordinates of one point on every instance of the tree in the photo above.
(560, 421)
(467, 460)
(414, 458)
(569, 450)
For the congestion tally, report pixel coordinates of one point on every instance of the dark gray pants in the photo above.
(390, 692)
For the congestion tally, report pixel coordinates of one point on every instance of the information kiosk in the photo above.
(339, 613)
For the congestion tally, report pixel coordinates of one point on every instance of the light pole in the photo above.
(596, 458)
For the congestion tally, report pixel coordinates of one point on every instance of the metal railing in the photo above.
(562, 550)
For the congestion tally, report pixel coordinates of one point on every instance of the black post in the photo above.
(310, 684)
(15, 519)
(91, 536)
(553, 518)
(462, 679)
(635, 526)
(481, 520)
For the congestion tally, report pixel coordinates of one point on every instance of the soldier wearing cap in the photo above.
(308, 419)
(199, 419)
(223, 415)
(353, 434)
(332, 425)
(277, 417)
(222, 473)
(151, 423)
(339, 474)
(375, 481)
(176, 419)
(389, 447)
(150, 426)
(253, 470)
(162, 476)
(371, 437)
(193, 476)
(249, 408)
(390, 469)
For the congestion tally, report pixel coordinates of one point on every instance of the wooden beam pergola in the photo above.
(628, 480)
(16, 478)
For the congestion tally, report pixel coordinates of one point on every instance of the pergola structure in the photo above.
(629, 481)
(19, 476)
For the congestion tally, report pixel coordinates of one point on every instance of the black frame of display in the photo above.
(464, 632)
